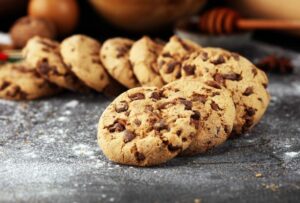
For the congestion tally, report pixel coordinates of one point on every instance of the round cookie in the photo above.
(216, 108)
(173, 53)
(143, 127)
(18, 81)
(236, 74)
(143, 57)
(114, 55)
(81, 54)
(43, 54)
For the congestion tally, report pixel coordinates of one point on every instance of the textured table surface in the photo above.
(48, 153)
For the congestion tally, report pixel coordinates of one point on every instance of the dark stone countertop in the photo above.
(48, 153)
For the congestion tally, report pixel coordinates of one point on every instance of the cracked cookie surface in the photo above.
(216, 108)
(143, 57)
(43, 55)
(114, 55)
(143, 127)
(81, 54)
(18, 81)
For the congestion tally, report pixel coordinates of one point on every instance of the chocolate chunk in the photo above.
(137, 122)
(204, 56)
(155, 95)
(248, 91)
(232, 76)
(218, 60)
(121, 107)
(160, 125)
(128, 136)
(171, 66)
(167, 54)
(137, 96)
(117, 126)
(4, 85)
(213, 84)
(172, 148)
(250, 111)
(123, 50)
(215, 106)
(189, 69)
(188, 104)
(43, 66)
(199, 97)
(235, 56)
(219, 78)
(139, 156)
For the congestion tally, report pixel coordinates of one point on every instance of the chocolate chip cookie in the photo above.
(215, 105)
(144, 127)
(81, 54)
(244, 81)
(143, 57)
(114, 55)
(172, 55)
(43, 54)
(19, 81)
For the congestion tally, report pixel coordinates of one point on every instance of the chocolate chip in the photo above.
(137, 122)
(4, 85)
(250, 111)
(167, 54)
(128, 136)
(215, 94)
(171, 66)
(235, 56)
(189, 69)
(164, 105)
(213, 84)
(178, 132)
(204, 56)
(43, 66)
(232, 76)
(199, 97)
(121, 106)
(117, 126)
(188, 104)
(218, 60)
(139, 156)
(123, 50)
(248, 91)
(178, 75)
(136, 96)
(195, 118)
(184, 45)
(160, 125)
(97, 61)
(219, 78)
(149, 108)
(172, 148)
(215, 106)
(227, 129)
(155, 95)
(254, 71)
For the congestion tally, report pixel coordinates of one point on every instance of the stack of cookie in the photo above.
(202, 96)
(185, 99)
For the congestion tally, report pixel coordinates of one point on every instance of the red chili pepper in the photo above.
(3, 57)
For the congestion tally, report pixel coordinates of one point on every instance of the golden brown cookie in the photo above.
(81, 54)
(143, 57)
(216, 108)
(143, 127)
(43, 54)
(172, 55)
(18, 81)
(114, 55)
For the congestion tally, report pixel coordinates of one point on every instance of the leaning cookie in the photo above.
(81, 54)
(143, 57)
(172, 55)
(43, 54)
(142, 127)
(18, 81)
(246, 83)
(114, 55)
(216, 107)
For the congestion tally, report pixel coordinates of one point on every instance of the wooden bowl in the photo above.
(145, 15)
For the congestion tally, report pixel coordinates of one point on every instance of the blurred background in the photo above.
(104, 19)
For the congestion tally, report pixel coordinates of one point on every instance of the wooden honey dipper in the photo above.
(226, 21)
